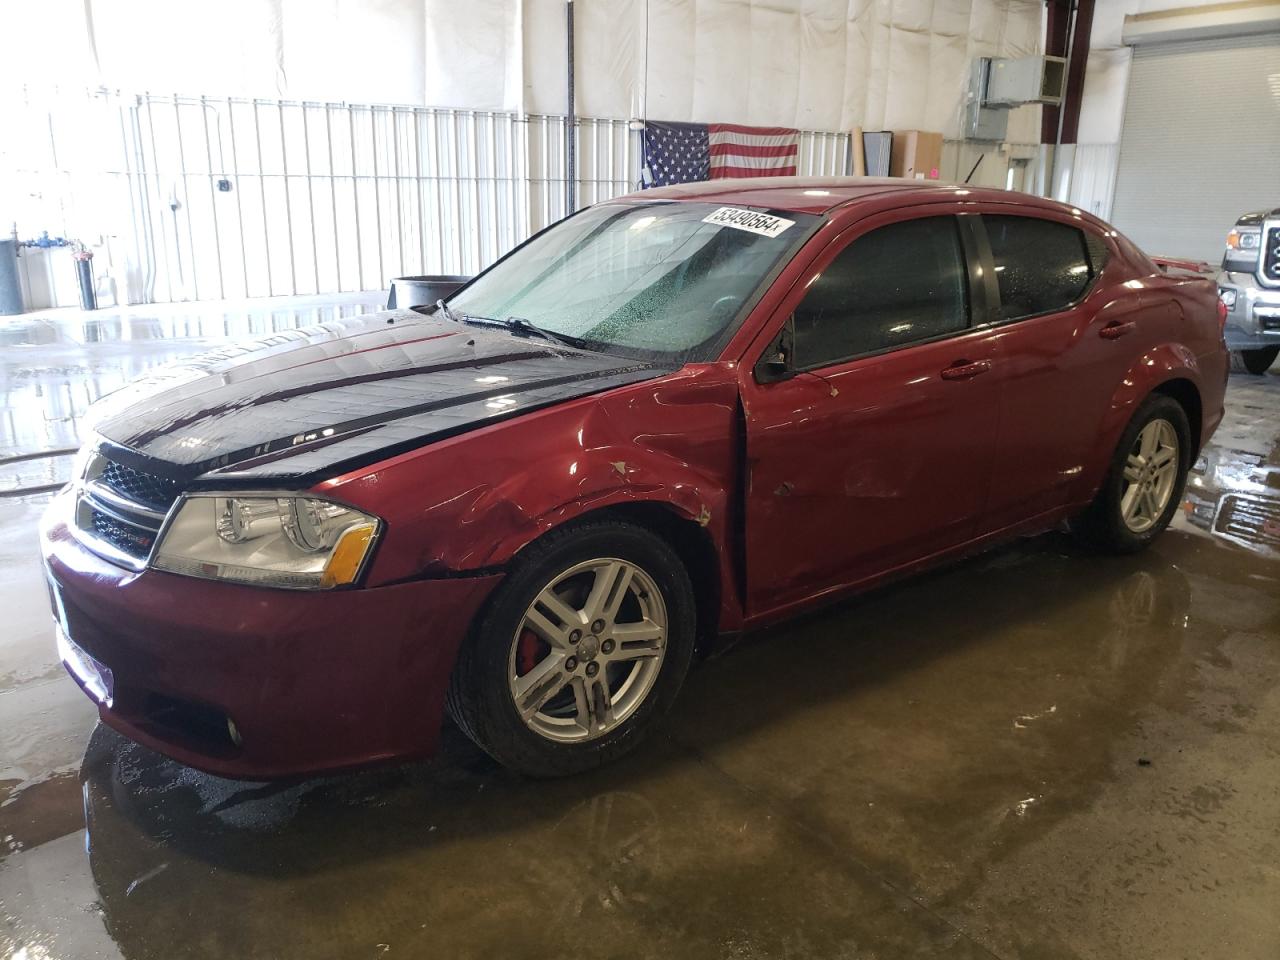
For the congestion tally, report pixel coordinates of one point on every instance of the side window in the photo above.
(1041, 265)
(893, 286)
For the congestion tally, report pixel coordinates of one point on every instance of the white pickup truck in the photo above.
(1249, 285)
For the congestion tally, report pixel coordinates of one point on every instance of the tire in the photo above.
(548, 709)
(1259, 361)
(1104, 525)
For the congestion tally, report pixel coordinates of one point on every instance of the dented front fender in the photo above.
(474, 501)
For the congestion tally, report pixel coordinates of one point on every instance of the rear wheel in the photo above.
(1140, 494)
(581, 650)
(1259, 361)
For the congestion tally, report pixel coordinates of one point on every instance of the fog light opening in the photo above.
(234, 732)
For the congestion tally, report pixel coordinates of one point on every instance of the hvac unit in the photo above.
(997, 84)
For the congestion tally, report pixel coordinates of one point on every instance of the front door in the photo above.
(878, 452)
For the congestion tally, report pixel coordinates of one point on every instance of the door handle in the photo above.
(963, 370)
(1115, 330)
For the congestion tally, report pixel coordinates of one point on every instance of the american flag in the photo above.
(685, 152)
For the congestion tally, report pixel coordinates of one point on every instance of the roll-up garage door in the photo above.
(1200, 143)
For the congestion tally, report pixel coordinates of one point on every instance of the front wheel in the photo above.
(580, 651)
(1140, 494)
(1259, 361)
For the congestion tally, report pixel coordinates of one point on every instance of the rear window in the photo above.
(1041, 266)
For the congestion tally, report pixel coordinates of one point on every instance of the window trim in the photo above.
(975, 293)
(979, 227)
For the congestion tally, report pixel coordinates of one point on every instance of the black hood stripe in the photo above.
(347, 428)
(179, 423)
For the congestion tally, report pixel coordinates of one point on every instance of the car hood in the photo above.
(313, 402)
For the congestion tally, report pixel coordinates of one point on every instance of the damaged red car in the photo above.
(668, 418)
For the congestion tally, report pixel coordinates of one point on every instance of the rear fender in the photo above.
(1160, 365)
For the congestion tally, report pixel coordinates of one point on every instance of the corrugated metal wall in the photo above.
(1200, 142)
(213, 198)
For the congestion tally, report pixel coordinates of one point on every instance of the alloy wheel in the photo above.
(1150, 474)
(588, 650)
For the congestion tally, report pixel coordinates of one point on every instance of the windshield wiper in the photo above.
(523, 327)
(443, 308)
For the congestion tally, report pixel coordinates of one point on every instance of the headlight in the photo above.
(1228, 297)
(301, 543)
(1246, 239)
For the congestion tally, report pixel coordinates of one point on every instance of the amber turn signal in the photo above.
(348, 556)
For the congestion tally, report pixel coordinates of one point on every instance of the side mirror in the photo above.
(778, 361)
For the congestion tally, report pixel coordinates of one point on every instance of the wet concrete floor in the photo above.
(1036, 753)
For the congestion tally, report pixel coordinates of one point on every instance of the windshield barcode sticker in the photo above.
(750, 220)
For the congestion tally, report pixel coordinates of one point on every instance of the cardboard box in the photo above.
(916, 154)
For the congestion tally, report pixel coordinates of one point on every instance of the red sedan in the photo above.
(669, 417)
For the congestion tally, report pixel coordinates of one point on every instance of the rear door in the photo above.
(1065, 346)
(878, 451)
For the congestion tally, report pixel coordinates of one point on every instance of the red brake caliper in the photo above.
(527, 651)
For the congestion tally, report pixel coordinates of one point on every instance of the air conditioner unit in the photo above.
(997, 84)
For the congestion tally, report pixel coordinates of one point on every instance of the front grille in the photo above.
(158, 493)
(136, 541)
(121, 509)
(1253, 520)
(1271, 255)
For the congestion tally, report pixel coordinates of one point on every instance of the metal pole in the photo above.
(213, 197)
(377, 193)
(333, 198)
(419, 170)
(571, 156)
(311, 196)
(262, 197)
(235, 186)
(395, 164)
(355, 196)
(288, 205)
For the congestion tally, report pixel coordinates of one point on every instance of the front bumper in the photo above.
(310, 681)
(1254, 321)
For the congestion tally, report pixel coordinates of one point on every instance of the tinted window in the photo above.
(1041, 266)
(897, 285)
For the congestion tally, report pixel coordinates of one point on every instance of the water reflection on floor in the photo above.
(1036, 753)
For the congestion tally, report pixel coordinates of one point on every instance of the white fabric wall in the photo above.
(813, 64)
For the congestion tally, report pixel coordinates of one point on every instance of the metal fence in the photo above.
(200, 197)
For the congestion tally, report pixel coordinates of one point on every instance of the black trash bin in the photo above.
(10, 288)
(419, 291)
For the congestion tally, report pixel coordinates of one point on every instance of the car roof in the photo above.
(819, 195)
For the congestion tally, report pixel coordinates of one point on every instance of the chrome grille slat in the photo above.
(1271, 254)
(111, 502)
(1252, 519)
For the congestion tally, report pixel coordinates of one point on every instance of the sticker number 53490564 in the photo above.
(750, 220)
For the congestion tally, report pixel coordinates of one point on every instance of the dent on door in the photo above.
(866, 467)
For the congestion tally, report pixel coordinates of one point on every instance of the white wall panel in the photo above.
(475, 54)
(804, 63)
(368, 51)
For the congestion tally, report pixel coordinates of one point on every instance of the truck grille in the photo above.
(121, 509)
(1252, 520)
(1271, 256)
